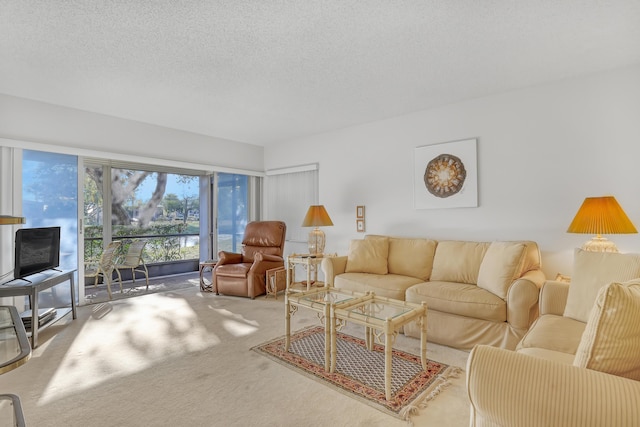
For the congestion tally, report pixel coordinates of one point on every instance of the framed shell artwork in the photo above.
(446, 175)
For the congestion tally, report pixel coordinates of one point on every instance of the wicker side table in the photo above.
(207, 266)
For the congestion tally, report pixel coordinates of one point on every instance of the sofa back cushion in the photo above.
(592, 271)
(457, 261)
(368, 256)
(611, 340)
(411, 257)
(501, 265)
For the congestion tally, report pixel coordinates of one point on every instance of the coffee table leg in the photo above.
(423, 341)
(327, 337)
(334, 347)
(388, 348)
(287, 324)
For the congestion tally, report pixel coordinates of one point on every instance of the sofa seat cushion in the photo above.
(460, 299)
(234, 270)
(385, 285)
(551, 332)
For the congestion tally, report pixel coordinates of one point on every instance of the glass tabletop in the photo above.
(377, 309)
(328, 296)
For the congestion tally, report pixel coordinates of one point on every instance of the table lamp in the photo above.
(601, 215)
(317, 216)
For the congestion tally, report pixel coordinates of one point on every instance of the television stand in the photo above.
(39, 282)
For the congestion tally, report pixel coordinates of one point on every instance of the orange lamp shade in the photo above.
(601, 215)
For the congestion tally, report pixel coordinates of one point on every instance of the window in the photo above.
(50, 199)
(158, 206)
(232, 212)
(290, 192)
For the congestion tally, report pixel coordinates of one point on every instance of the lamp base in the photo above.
(600, 244)
(316, 241)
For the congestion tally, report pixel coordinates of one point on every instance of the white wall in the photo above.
(26, 120)
(541, 151)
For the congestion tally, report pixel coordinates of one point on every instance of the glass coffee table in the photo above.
(381, 317)
(322, 301)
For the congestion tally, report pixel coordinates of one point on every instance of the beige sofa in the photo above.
(579, 364)
(476, 292)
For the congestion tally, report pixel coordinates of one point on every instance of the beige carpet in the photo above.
(182, 358)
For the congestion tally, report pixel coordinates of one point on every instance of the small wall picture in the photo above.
(360, 225)
(360, 212)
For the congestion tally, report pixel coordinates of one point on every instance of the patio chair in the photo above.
(105, 266)
(133, 261)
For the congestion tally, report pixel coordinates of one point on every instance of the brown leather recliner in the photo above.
(244, 274)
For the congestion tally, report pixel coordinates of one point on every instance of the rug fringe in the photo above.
(423, 400)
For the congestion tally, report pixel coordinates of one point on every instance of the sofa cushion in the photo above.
(368, 256)
(385, 285)
(611, 340)
(458, 261)
(501, 265)
(592, 271)
(556, 333)
(411, 257)
(459, 299)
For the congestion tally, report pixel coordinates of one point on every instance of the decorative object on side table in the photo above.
(317, 216)
(601, 215)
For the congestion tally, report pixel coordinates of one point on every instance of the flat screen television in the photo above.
(37, 249)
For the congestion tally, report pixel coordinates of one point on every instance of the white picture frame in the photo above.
(446, 175)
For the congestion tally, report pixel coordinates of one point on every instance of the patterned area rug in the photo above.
(360, 372)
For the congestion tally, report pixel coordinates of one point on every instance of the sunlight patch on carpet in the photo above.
(127, 337)
(360, 372)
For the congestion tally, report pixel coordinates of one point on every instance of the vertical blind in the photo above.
(290, 192)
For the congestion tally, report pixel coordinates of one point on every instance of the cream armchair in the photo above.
(575, 366)
(508, 388)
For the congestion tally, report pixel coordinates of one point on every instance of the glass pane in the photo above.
(93, 214)
(232, 211)
(159, 207)
(50, 199)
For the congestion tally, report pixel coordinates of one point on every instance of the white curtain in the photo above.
(289, 193)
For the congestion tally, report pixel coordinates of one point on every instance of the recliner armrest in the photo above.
(225, 257)
(260, 257)
(507, 388)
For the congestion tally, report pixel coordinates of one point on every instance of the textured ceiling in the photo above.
(268, 71)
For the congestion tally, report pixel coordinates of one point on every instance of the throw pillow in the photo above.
(501, 265)
(611, 340)
(368, 256)
(593, 270)
(458, 262)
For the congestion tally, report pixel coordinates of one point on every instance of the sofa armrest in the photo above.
(332, 266)
(522, 303)
(507, 388)
(553, 297)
